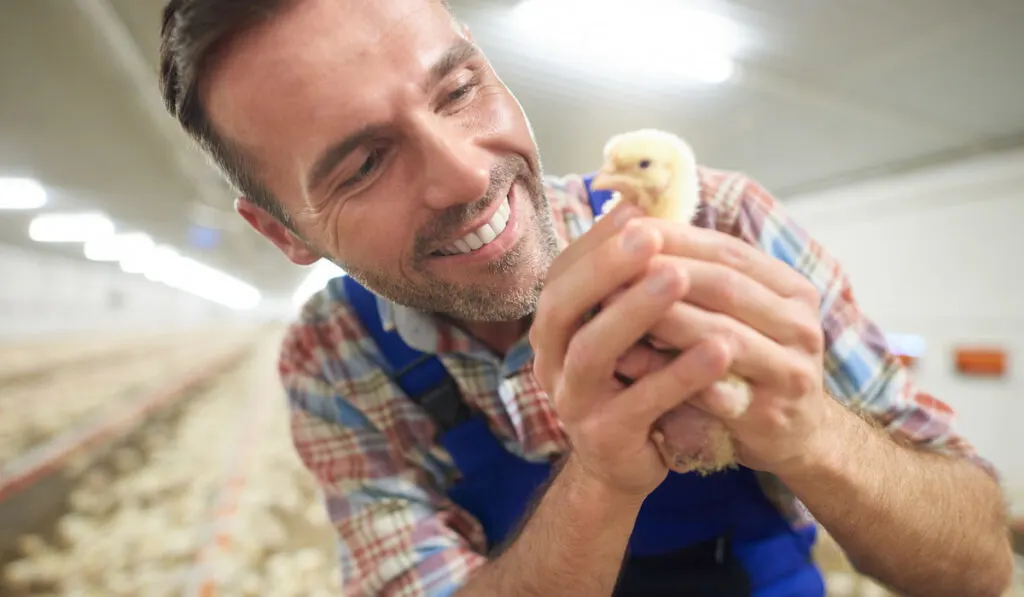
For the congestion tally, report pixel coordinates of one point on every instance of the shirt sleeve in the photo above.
(397, 535)
(860, 369)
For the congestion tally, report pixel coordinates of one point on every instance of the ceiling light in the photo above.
(69, 228)
(21, 193)
(165, 265)
(204, 281)
(118, 247)
(138, 262)
(657, 39)
(138, 254)
(158, 264)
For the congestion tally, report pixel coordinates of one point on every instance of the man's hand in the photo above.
(924, 539)
(609, 426)
(770, 314)
(574, 542)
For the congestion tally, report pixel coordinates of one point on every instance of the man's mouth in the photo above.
(482, 236)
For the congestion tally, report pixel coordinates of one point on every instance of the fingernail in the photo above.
(634, 240)
(659, 282)
(626, 214)
(729, 344)
(710, 354)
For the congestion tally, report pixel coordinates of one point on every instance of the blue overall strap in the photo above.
(421, 376)
(596, 198)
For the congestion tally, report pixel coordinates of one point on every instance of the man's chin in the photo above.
(510, 297)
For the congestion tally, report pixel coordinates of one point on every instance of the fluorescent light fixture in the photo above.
(322, 272)
(21, 193)
(196, 278)
(157, 265)
(661, 39)
(136, 253)
(165, 265)
(70, 228)
(118, 247)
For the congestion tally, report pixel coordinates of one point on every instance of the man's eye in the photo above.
(461, 93)
(372, 159)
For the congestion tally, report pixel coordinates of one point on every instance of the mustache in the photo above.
(455, 217)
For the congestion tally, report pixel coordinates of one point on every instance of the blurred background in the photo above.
(143, 436)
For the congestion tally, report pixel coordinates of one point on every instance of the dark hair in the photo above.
(192, 33)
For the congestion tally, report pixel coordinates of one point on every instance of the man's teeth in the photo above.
(482, 235)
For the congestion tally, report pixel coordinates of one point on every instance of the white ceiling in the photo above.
(826, 92)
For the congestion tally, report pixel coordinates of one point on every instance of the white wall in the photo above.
(42, 294)
(940, 253)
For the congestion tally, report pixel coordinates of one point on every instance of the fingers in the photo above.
(597, 347)
(565, 301)
(756, 357)
(721, 289)
(712, 246)
(601, 231)
(685, 377)
(641, 360)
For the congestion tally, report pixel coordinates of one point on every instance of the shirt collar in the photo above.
(419, 330)
(386, 309)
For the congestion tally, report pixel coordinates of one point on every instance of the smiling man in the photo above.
(461, 402)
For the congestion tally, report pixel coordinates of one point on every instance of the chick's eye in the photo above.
(645, 164)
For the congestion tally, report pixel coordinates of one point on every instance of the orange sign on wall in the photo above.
(974, 360)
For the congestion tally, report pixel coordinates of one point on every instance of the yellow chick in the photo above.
(657, 171)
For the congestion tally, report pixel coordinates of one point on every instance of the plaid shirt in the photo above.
(372, 449)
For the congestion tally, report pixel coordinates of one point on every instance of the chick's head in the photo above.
(648, 167)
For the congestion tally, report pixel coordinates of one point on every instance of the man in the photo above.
(375, 134)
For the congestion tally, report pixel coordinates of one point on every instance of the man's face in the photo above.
(396, 150)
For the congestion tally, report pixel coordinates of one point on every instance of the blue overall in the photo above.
(694, 535)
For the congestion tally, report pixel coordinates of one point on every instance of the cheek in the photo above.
(375, 232)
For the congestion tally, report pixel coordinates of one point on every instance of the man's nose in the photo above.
(455, 169)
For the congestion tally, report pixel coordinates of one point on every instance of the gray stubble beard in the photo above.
(479, 302)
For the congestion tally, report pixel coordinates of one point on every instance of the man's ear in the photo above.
(273, 230)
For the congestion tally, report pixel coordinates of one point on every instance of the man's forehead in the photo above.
(309, 27)
(318, 41)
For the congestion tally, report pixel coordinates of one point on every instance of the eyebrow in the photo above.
(459, 53)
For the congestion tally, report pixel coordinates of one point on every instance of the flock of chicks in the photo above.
(216, 498)
(40, 409)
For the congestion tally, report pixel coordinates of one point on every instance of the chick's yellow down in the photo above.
(657, 171)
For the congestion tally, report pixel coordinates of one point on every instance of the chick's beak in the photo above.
(608, 179)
